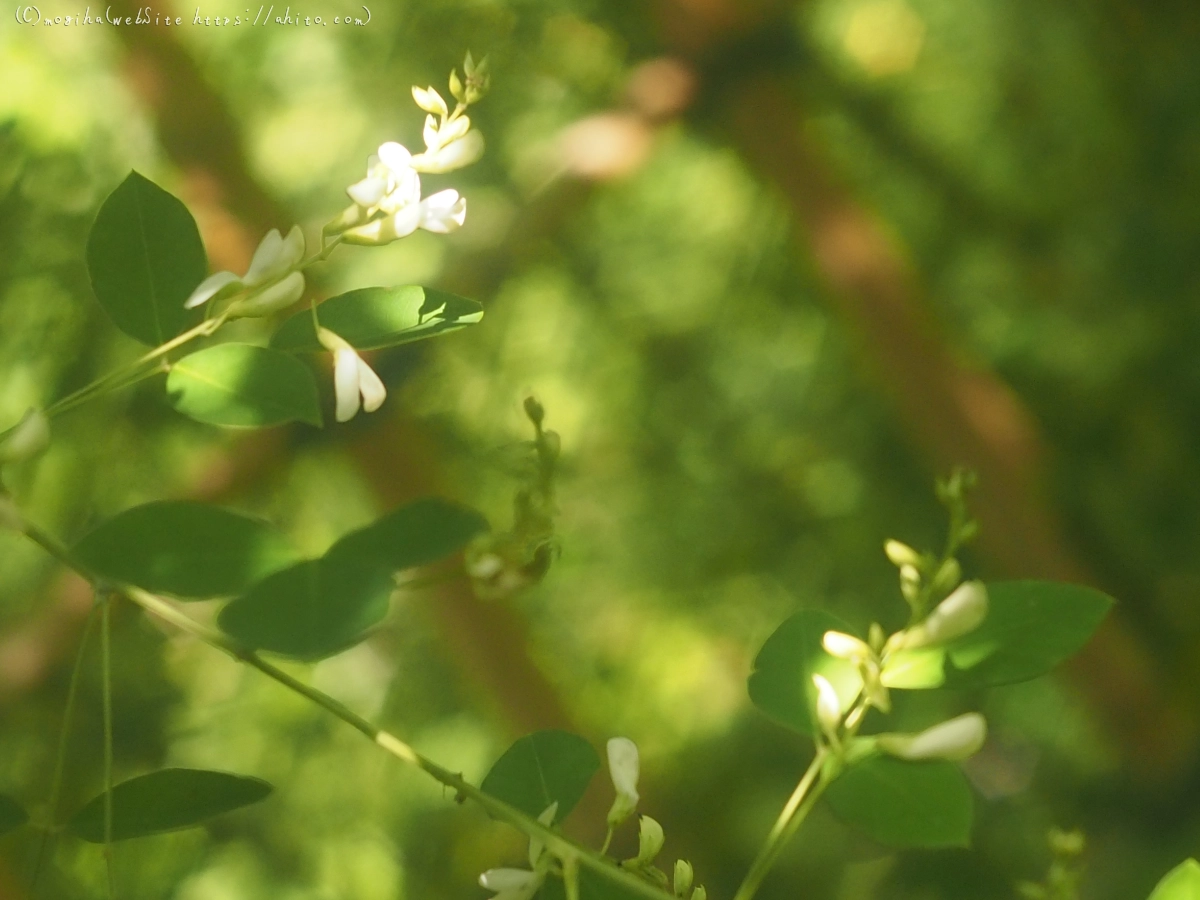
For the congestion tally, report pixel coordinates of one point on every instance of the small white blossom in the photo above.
(449, 145)
(354, 382)
(522, 884)
(845, 646)
(829, 707)
(274, 263)
(623, 766)
(960, 613)
(955, 739)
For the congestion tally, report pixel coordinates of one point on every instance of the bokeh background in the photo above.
(771, 267)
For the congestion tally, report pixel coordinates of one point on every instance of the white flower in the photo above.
(430, 101)
(960, 613)
(27, 438)
(845, 646)
(440, 213)
(521, 884)
(829, 707)
(448, 146)
(623, 766)
(274, 261)
(354, 382)
(955, 739)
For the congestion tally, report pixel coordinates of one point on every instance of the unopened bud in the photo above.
(535, 845)
(947, 577)
(955, 739)
(430, 100)
(277, 297)
(650, 840)
(27, 438)
(959, 614)
(683, 877)
(901, 554)
(876, 637)
(845, 646)
(535, 411)
(456, 86)
(699, 893)
(623, 766)
(829, 707)
(910, 582)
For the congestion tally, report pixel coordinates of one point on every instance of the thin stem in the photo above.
(558, 845)
(60, 757)
(106, 676)
(790, 818)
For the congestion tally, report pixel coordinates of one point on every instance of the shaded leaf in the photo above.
(145, 256)
(184, 548)
(12, 814)
(592, 886)
(781, 683)
(905, 804)
(414, 535)
(166, 800)
(375, 317)
(1181, 883)
(244, 385)
(311, 610)
(542, 768)
(1031, 627)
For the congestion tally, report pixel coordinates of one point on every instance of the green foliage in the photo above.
(781, 683)
(144, 255)
(591, 887)
(542, 768)
(420, 533)
(311, 610)
(376, 317)
(1181, 883)
(1031, 627)
(905, 804)
(166, 800)
(12, 814)
(243, 385)
(187, 549)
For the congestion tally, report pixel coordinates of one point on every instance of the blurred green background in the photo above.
(771, 267)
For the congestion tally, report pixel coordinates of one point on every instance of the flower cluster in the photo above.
(273, 281)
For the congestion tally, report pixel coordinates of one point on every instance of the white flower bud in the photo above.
(278, 296)
(430, 100)
(650, 840)
(623, 766)
(845, 646)
(683, 877)
(901, 554)
(535, 845)
(960, 613)
(829, 707)
(955, 739)
(27, 438)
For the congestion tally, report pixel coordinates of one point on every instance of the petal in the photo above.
(370, 386)
(345, 384)
(210, 287)
(270, 300)
(394, 156)
(369, 191)
(454, 130)
(265, 258)
(623, 765)
(430, 134)
(462, 152)
(430, 100)
(293, 247)
(506, 879)
(443, 212)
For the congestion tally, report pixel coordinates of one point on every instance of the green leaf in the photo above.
(375, 317)
(311, 610)
(244, 385)
(166, 800)
(1031, 627)
(414, 535)
(188, 549)
(592, 886)
(145, 257)
(905, 804)
(12, 814)
(781, 683)
(542, 768)
(1181, 883)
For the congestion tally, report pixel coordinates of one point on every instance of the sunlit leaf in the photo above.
(145, 256)
(905, 804)
(1031, 627)
(414, 535)
(167, 800)
(188, 549)
(244, 385)
(781, 683)
(310, 610)
(12, 814)
(1181, 883)
(375, 317)
(543, 768)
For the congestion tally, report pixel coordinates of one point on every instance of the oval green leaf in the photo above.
(12, 814)
(781, 683)
(594, 886)
(1031, 627)
(241, 385)
(543, 768)
(1181, 883)
(414, 535)
(310, 610)
(905, 804)
(375, 317)
(145, 256)
(166, 800)
(187, 549)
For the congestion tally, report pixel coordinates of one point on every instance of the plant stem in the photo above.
(560, 846)
(803, 798)
(60, 757)
(106, 694)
